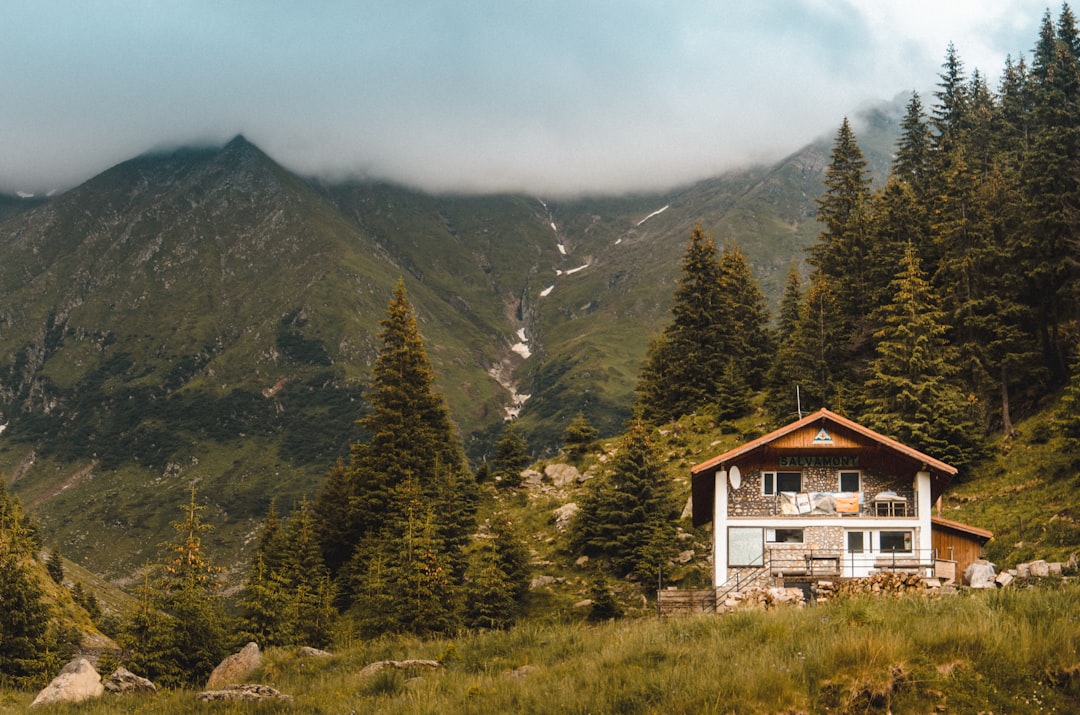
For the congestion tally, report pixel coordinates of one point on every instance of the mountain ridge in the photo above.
(207, 315)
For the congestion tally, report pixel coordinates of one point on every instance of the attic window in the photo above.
(850, 482)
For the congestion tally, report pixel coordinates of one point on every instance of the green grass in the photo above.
(1014, 650)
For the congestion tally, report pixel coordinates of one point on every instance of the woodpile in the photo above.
(763, 598)
(883, 583)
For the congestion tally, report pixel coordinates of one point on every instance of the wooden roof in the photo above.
(966, 529)
(822, 433)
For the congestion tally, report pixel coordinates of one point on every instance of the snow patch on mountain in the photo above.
(562, 248)
(654, 213)
(503, 373)
(522, 346)
(547, 291)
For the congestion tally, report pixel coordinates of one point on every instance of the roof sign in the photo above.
(823, 437)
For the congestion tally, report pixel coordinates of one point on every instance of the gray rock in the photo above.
(379, 665)
(980, 574)
(1003, 579)
(1039, 569)
(309, 652)
(123, 680)
(531, 478)
(76, 682)
(249, 692)
(235, 666)
(562, 475)
(564, 515)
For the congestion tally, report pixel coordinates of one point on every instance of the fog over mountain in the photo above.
(548, 98)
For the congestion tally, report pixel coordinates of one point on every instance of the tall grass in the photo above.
(1016, 650)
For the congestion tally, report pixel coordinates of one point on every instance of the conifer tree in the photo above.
(1052, 188)
(911, 394)
(911, 163)
(783, 371)
(841, 251)
(819, 346)
(55, 566)
(497, 578)
(742, 328)
(489, 598)
(337, 533)
(185, 644)
(414, 501)
(628, 513)
(33, 646)
(1067, 415)
(511, 456)
(681, 370)
(579, 436)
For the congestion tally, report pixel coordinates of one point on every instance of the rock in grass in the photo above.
(379, 665)
(123, 680)
(76, 682)
(235, 666)
(249, 692)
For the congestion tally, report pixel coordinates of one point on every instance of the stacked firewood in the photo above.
(883, 583)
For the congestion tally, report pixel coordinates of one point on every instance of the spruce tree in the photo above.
(1067, 415)
(628, 513)
(511, 456)
(841, 251)
(743, 319)
(183, 644)
(1052, 189)
(912, 395)
(579, 436)
(55, 566)
(682, 366)
(911, 162)
(414, 501)
(782, 377)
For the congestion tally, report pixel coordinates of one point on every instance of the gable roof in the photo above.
(822, 430)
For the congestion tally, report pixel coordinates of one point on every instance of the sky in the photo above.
(549, 97)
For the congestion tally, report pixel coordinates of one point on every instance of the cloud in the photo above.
(551, 97)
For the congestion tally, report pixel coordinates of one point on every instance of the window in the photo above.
(850, 482)
(745, 547)
(895, 541)
(775, 482)
(784, 536)
(855, 542)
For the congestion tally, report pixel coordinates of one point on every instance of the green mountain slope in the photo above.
(205, 315)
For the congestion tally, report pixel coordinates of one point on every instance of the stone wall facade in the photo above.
(748, 500)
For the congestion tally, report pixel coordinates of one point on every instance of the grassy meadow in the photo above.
(1016, 650)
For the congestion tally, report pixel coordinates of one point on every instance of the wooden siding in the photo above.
(956, 544)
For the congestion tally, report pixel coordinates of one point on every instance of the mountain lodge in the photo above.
(825, 498)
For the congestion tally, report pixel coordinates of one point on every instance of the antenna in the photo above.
(798, 401)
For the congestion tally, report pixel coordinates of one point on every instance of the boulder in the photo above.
(76, 682)
(531, 478)
(309, 652)
(248, 692)
(123, 680)
(235, 666)
(1039, 569)
(379, 665)
(564, 515)
(1004, 579)
(562, 475)
(980, 574)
